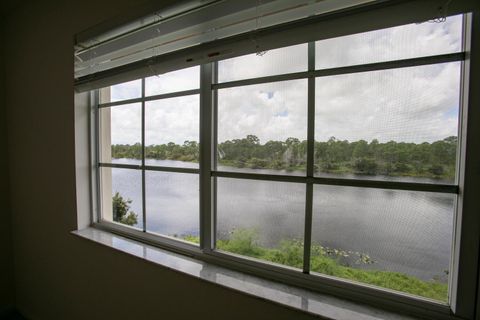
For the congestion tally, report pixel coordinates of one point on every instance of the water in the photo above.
(403, 231)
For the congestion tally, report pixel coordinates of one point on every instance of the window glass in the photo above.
(261, 219)
(262, 64)
(172, 132)
(121, 134)
(392, 125)
(121, 91)
(121, 196)
(179, 80)
(263, 128)
(399, 124)
(402, 42)
(172, 204)
(399, 240)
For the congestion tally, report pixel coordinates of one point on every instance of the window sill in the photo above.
(300, 299)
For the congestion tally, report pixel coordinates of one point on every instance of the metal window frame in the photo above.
(208, 174)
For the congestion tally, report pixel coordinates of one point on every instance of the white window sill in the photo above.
(301, 299)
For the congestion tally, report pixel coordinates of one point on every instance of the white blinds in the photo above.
(189, 24)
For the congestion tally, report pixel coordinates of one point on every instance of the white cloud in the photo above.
(273, 62)
(180, 80)
(409, 104)
(126, 90)
(403, 42)
(126, 123)
(172, 120)
(273, 111)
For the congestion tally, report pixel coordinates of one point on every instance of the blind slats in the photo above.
(199, 23)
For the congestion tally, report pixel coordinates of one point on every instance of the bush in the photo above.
(436, 169)
(365, 166)
(121, 210)
(328, 261)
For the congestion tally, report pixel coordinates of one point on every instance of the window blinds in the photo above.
(186, 25)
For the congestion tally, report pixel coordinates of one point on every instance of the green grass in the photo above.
(329, 262)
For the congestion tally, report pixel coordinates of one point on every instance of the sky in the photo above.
(409, 104)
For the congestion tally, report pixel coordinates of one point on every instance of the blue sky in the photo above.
(411, 104)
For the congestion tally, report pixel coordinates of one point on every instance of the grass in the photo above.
(329, 262)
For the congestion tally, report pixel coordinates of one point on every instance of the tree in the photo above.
(365, 166)
(121, 210)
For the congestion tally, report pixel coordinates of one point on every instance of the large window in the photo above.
(335, 159)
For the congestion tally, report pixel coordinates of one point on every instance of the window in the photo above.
(149, 154)
(332, 162)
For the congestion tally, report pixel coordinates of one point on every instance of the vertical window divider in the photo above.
(144, 200)
(215, 155)
(96, 123)
(310, 160)
(206, 157)
(466, 245)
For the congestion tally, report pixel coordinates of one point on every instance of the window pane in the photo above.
(263, 128)
(121, 91)
(272, 62)
(398, 124)
(121, 134)
(180, 80)
(261, 219)
(399, 240)
(121, 196)
(172, 202)
(403, 42)
(172, 132)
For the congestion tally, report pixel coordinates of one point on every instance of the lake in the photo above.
(403, 231)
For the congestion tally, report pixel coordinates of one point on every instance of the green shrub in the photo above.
(328, 261)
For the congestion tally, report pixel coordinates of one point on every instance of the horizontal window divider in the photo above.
(120, 165)
(150, 98)
(377, 66)
(172, 169)
(378, 184)
(259, 176)
(149, 168)
(342, 288)
(396, 64)
(260, 80)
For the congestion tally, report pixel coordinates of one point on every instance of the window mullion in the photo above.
(144, 200)
(214, 154)
(206, 157)
(464, 273)
(310, 158)
(96, 152)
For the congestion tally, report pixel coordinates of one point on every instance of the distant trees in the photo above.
(121, 210)
(435, 160)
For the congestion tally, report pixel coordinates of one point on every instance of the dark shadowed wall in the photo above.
(6, 246)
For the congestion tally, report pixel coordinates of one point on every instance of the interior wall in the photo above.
(60, 276)
(6, 245)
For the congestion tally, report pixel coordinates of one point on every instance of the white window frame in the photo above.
(464, 272)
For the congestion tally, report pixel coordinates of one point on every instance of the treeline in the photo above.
(433, 160)
(189, 151)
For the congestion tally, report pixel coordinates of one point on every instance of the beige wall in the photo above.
(59, 276)
(6, 258)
